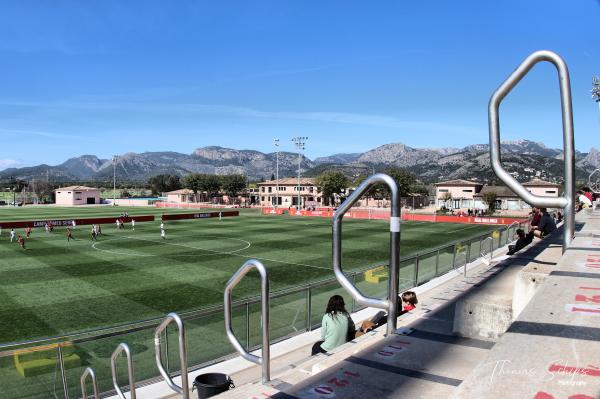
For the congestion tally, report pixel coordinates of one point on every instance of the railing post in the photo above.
(113, 366)
(468, 260)
(265, 360)
(90, 372)
(247, 325)
(63, 374)
(567, 200)
(437, 262)
(308, 308)
(184, 389)
(390, 303)
(416, 270)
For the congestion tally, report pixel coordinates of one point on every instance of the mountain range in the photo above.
(524, 159)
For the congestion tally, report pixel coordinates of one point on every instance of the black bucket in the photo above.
(212, 384)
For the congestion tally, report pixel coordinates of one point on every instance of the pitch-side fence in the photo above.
(52, 367)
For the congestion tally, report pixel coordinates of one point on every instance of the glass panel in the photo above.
(475, 249)
(205, 337)
(407, 274)
(461, 250)
(33, 375)
(320, 298)
(287, 316)
(426, 267)
(445, 259)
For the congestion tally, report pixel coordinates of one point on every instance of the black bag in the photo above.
(351, 330)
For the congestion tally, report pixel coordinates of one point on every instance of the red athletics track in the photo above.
(69, 222)
(199, 215)
(378, 214)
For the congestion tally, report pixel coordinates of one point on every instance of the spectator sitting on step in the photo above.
(521, 243)
(337, 326)
(406, 302)
(546, 225)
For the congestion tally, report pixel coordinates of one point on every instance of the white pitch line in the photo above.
(224, 253)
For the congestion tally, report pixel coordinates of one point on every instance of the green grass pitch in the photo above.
(56, 287)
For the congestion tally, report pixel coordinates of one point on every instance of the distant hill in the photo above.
(524, 159)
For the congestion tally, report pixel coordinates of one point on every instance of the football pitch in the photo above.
(57, 287)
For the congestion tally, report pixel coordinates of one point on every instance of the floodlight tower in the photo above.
(115, 157)
(596, 89)
(276, 143)
(300, 143)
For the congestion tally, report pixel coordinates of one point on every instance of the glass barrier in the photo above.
(35, 372)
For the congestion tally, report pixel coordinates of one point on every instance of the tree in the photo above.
(489, 198)
(233, 184)
(194, 182)
(447, 197)
(211, 184)
(404, 180)
(332, 183)
(164, 183)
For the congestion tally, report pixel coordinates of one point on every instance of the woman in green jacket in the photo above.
(337, 326)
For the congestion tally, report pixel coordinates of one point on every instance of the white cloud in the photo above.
(8, 163)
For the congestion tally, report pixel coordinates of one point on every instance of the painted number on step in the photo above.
(545, 395)
(341, 380)
(393, 349)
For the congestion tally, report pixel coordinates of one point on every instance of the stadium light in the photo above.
(300, 143)
(115, 157)
(276, 143)
(596, 90)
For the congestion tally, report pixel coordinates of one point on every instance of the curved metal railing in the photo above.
(123, 348)
(482, 253)
(567, 200)
(184, 389)
(390, 304)
(265, 359)
(90, 372)
(509, 238)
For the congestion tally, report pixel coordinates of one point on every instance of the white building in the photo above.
(77, 195)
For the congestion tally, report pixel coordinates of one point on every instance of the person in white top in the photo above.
(163, 233)
(13, 235)
(583, 199)
(132, 224)
(74, 224)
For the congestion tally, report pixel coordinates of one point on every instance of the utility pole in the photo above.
(114, 179)
(300, 143)
(276, 143)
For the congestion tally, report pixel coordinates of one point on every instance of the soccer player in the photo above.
(98, 230)
(13, 235)
(118, 222)
(28, 231)
(74, 224)
(163, 233)
(132, 224)
(220, 216)
(47, 228)
(22, 242)
(94, 233)
(69, 235)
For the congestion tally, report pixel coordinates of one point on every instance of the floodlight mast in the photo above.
(114, 179)
(276, 143)
(300, 143)
(596, 90)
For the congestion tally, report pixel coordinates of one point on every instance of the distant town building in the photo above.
(288, 192)
(456, 194)
(464, 194)
(77, 195)
(183, 195)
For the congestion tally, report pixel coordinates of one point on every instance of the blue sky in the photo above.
(108, 77)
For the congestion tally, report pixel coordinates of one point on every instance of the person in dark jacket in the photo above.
(546, 225)
(521, 243)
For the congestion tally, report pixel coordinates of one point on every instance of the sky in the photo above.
(108, 77)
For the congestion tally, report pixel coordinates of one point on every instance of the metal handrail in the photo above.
(390, 304)
(491, 248)
(113, 366)
(566, 201)
(590, 177)
(184, 388)
(265, 359)
(509, 239)
(90, 372)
